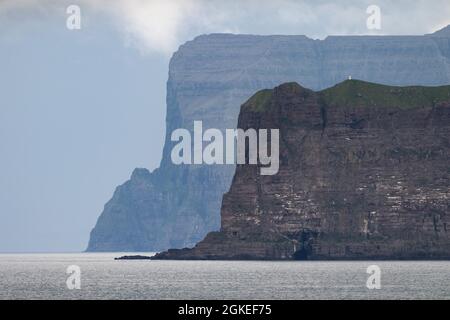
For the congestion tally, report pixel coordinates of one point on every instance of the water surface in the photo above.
(43, 276)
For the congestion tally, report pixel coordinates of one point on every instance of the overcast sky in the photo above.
(79, 110)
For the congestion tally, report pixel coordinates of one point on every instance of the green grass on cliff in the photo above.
(361, 93)
(260, 100)
(352, 93)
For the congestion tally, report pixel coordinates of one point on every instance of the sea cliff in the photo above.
(209, 78)
(364, 174)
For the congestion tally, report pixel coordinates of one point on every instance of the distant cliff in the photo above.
(209, 78)
(364, 174)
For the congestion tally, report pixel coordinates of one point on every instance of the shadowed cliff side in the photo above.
(364, 174)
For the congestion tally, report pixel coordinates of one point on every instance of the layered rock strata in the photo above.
(364, 174)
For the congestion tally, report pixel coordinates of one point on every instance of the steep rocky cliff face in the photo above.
(364, 174)
(209, 78)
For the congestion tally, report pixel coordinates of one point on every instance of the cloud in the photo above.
(150, 25)
(162, 25)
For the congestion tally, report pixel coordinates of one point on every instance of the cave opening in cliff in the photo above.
(301, 254)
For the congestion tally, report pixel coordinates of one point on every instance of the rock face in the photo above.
(364, 174)
(209, 78)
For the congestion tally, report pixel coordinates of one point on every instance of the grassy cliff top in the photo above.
(363, 94)
(260, 100)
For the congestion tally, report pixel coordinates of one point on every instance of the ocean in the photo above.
(44, 276)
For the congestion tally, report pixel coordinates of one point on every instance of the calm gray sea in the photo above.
(43, 276)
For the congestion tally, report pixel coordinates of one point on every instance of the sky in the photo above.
(80, 109)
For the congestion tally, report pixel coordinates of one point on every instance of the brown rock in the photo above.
(364, 174)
